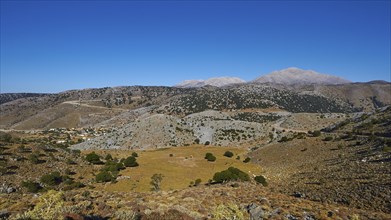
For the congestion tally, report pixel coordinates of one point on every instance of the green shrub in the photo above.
(34, 158)
(77, 152)
(32, 187)
(93, 158)
(210, 157)
(228, 154)
(197, 182)
(316, 133)
(108, 157)
(74, 185)
(261, 180)
(5, 137)
(134, 154)
(246, 160)
(284, 139)
(104, 176)
(230, 174)
(52, 179)
(130, 162)
(113, 166)
(328, 138)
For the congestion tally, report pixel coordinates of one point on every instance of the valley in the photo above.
(239, 151)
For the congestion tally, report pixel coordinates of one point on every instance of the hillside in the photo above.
(347, 165)
(8, 97)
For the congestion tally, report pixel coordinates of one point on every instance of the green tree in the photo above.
(156, 181)
(231, 174)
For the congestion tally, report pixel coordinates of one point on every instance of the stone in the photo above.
(291, 217)
(256, 212)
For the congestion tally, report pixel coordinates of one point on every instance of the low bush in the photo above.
(31, 187)
(261, 180)
(93, 158)
(210, 157)
(316, 133)
(246, 160)
(104, 176)
(52, 179)
(228, 154)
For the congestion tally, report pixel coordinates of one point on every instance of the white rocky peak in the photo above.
(218, 81)
(295, 75)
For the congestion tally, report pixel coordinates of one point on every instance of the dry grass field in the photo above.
(185, 165)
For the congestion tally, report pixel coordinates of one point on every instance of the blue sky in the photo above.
(52, 46)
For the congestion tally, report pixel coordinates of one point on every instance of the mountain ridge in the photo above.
(288, 76)
(294, 75)
(215, 81)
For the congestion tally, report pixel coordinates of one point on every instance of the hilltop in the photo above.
(295, 75)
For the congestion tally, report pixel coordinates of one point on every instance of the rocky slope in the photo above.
(347, 165)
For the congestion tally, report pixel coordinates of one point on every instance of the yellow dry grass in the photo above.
(185, 165)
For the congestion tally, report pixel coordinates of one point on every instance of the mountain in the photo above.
(218, 82)
(295, 75)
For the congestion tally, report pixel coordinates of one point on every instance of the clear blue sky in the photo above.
(52, 46)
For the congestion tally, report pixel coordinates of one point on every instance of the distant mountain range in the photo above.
(219, 82)
(289, 76)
